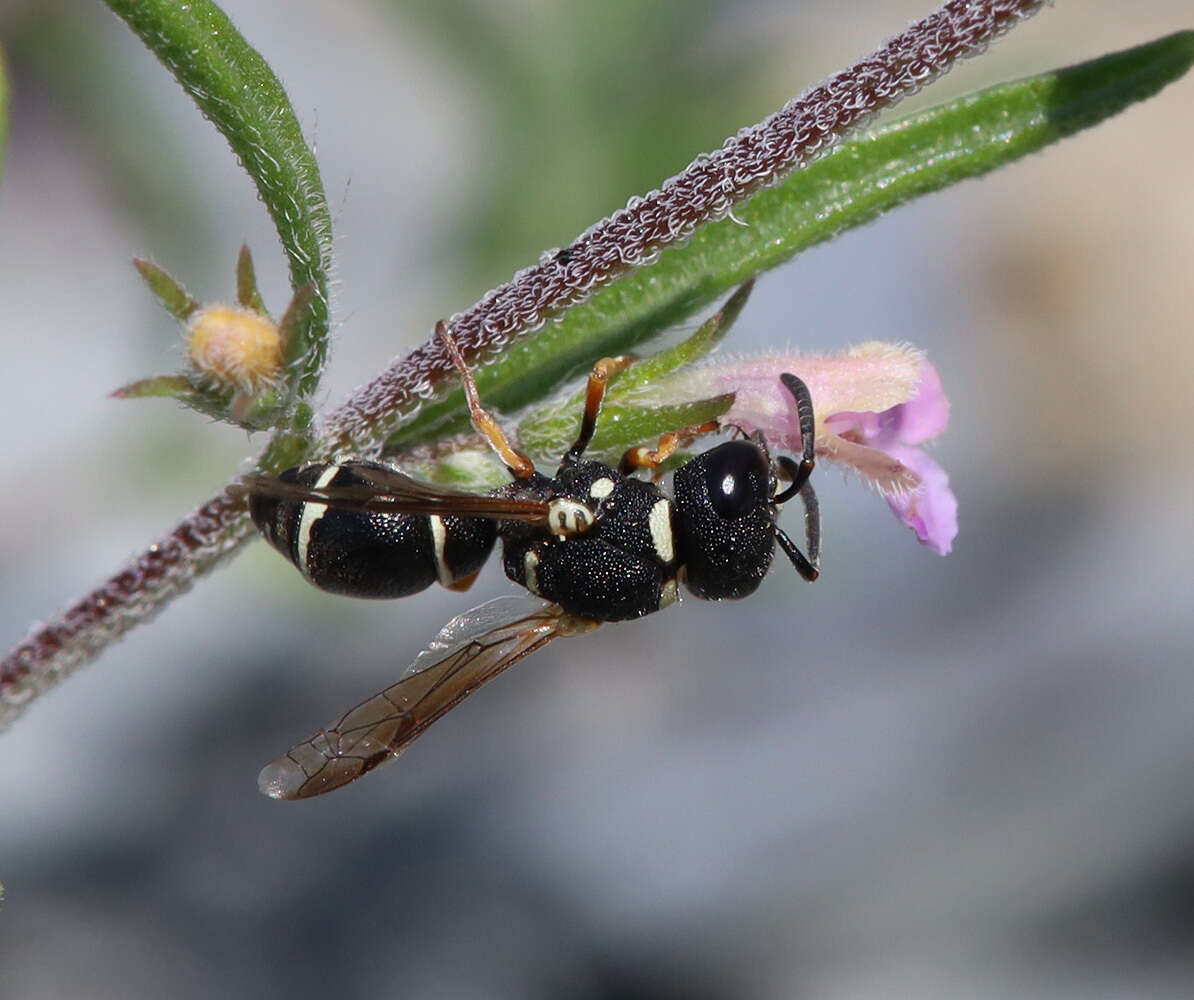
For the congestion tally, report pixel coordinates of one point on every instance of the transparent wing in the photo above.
(470, 650)
(391, 491)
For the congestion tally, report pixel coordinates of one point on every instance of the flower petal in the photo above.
(931, 511)
(871, 377)
(925, 415)
(872, 405)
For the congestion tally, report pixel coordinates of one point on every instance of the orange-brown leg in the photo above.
(598, 378)
(520, 466)
(669, 443)
(464, 582)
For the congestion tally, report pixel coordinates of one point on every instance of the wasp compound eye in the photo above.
(725, 519)
(737, 478)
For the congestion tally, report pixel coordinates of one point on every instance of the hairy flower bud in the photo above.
(235, 348)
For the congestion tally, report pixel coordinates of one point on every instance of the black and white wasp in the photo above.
(592, 543)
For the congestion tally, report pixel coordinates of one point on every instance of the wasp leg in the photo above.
(669, 443)
(598, 378)
(807, 566)
(736, 431)
(520, 466)
(464, 582)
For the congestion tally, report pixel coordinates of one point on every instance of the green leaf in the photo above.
(621, 427)
(182, 390)
(872, 174)
(247, 293)
(169, 292)
(708, 335)
(881, 169)
(626, 427)
(550, 430)
(293, 330)
(159, 386)
(253, 414)
(235, 88)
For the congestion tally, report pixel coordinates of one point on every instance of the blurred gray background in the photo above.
(921, 777)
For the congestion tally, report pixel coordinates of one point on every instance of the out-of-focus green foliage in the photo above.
(581, 104)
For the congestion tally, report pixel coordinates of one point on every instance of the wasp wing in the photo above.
(470, 650)
(390, 491)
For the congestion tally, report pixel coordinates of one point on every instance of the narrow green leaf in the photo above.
(708, 335)
(293, 330)
(622, 427)
(235, 88)
(181, 390)
(627, 427)
(169, 292)
(247, 293)
(873, 174)
(876, 172)
(551, 429)
(172, 386)
(253, 414)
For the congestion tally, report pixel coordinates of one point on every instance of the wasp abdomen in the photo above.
(368, 553)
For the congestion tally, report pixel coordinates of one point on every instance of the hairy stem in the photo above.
(144, 586)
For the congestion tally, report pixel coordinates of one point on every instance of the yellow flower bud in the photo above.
(235, 348)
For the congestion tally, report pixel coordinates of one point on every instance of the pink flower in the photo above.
(874, 404)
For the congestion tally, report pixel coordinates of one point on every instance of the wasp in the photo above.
(591, 544)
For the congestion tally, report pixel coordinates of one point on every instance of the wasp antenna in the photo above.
(806, 417)
(799, 560)
(797, 474)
